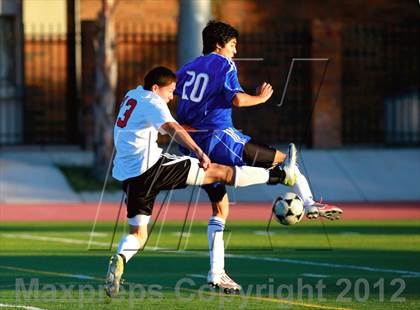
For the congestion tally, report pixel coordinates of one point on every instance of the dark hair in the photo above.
(217, 32)
(161, 76)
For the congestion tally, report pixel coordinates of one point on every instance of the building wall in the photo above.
(136, 11)
(259, 13)
(40, 16)
(253, 13)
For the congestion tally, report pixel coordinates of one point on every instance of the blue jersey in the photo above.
(206, 87)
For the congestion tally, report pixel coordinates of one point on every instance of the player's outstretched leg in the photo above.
(113, 276)
(313, 209)
(243, 176)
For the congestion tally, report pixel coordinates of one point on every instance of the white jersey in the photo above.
(141, 115)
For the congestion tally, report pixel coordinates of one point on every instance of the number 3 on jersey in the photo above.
(199, 81)
(129, 105)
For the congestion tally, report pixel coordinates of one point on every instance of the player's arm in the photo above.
(181, 136)
(244, 100)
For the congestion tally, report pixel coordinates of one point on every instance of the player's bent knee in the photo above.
(215, 173)
(222, 173)
(137, 221)
(218, 173)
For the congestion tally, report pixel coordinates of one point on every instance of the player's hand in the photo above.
(204, 160)
(265, 91)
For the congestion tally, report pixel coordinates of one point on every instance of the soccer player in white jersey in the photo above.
(144, 170)
(208, 88)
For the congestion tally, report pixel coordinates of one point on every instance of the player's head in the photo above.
(161, 81)
(220, 38)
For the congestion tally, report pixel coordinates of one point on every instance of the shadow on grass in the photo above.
(313, 227)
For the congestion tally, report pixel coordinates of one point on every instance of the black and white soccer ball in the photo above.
(288, 210)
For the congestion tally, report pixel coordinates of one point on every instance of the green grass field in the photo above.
(330, 265)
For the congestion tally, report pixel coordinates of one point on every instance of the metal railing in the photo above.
(45, 116)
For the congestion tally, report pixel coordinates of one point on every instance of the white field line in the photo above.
(66, 240)
(321, 264)
(195, 275)
(315, 275)
(179, 233)
(410, 276)
(264, 233)
(54, 239)
(97, 234)
(19, 306)
(238, 256)
(50, 273)
(309, 263)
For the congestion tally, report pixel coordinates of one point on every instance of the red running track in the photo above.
(177, 211)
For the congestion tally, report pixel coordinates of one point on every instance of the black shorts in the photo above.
(254, 154)
(141, 191)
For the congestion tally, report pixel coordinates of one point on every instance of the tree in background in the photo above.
(194, 15)
(105, 88)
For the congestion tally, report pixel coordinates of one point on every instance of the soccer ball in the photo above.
(288, 210)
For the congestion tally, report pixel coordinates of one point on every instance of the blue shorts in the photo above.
(222, 146)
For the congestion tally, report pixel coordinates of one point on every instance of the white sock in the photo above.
(302, 188)
(247, 175)
(216, 245)
(129, 245)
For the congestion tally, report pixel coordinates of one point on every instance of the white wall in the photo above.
(49, 14)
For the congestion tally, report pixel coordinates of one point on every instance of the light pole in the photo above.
(193, 17)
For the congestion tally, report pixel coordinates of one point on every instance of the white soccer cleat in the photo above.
(113, 276)
(289, 166)
(224, 282)
(324, 210)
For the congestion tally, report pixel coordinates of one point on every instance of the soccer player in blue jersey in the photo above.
(208, 88)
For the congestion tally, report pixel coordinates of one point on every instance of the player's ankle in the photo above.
(276, 176)
(123, 258)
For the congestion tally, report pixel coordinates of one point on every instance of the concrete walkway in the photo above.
(29, 175)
